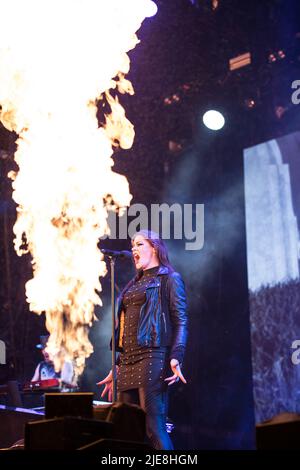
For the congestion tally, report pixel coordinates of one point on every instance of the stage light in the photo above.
(151, 9)
(213, 119)
(240, 61)
(250, 103)
(175, 147)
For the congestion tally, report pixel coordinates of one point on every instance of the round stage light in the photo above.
(213, 119)
(151, 9)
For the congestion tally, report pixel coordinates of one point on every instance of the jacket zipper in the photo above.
(164, 318)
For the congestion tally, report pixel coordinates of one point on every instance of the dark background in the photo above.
(184, 51)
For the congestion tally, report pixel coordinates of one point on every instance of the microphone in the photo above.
(116, 254)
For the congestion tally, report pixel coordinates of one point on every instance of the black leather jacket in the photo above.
(163, 317)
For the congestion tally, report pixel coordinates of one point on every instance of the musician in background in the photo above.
(45, 369)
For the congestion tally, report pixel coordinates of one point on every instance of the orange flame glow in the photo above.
(56, 59)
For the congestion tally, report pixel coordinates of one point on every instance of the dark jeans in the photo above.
(154, 403)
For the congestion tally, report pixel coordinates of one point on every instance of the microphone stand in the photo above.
(112, 261)
(113, 255)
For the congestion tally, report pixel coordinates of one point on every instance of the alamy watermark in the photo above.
(296, 94)
(296, 354)
(176, 221)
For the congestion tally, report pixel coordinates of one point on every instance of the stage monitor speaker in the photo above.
(12, 423)
(117, 445)
(67, 433)
(281, 433)
(129, 421)
(61, 430)
(69, 404)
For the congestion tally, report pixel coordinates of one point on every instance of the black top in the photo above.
(139, 366)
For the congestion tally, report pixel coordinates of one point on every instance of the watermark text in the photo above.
(176, 221)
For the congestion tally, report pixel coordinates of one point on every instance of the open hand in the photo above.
(108, 386)
(177, 374)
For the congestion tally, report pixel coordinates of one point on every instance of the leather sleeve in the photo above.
(178, 315)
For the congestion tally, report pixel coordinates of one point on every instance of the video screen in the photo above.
(272, 203)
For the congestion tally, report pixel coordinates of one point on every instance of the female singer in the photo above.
(151, 335)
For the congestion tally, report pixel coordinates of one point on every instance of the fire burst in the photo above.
(56, 59)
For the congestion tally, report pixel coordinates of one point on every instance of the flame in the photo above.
(56, 59)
